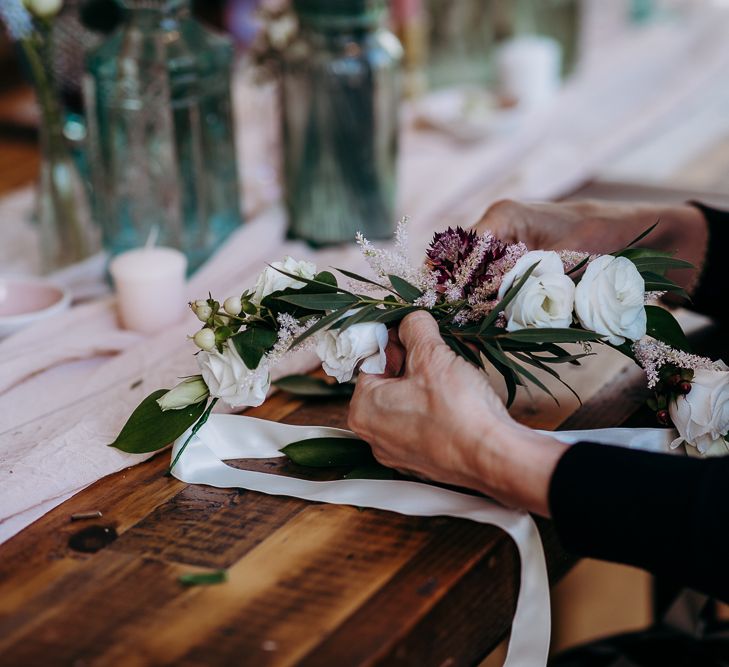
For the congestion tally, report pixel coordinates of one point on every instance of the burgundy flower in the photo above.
(451, 250)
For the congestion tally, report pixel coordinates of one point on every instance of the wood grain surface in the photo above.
(308, 584)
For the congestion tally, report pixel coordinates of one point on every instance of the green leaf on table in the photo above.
(203, 578)
(375, 471)
(330, 452)
(657, 283)
(150, 428)
(252, 343)
(407, 291)
(306, 385)
(663, 326)
(327, 301)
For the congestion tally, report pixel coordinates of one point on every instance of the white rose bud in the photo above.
(205, 339)
(701, 417)
(610, 299)
(188, 392)
(232, 305)
(341, 351)
(229, 379)
(273, 281)
(545, 300)
(44, 9)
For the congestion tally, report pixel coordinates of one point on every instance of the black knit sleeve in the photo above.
(666, 514)
(711, 295)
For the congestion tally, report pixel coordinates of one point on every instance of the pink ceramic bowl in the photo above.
(25, 300)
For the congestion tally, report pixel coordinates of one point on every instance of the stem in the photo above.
(198, 425)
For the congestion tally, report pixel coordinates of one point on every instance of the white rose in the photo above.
(701, 417)
(545, 302)
(341, 351)
(549, 262)
(610, 299)
(229, 379)
(274, 281)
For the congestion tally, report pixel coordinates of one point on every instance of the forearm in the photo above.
(666, 514)
(517, 466)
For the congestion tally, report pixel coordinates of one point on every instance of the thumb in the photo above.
(419, 328)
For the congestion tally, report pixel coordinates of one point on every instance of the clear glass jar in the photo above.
(340, 103)
(161, 132)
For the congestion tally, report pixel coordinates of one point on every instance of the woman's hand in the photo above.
(600, 227)
(439, 418)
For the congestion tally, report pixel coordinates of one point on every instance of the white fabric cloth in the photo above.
(71, 382)
(226, 437)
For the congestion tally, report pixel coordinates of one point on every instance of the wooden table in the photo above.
(309, 584)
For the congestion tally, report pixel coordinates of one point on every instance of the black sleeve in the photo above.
(666, 514)
(712, 293)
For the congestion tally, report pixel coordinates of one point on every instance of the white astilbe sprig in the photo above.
(653, 354)
(482, 299)
(289, 328)
(395, 262)
(571, 258)
(650, 297)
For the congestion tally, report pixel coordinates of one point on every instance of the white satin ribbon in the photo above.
(227, 437)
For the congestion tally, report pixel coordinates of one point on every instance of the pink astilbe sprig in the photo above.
(652, 355)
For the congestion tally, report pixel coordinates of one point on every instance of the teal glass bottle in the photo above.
(160, 125)
(340, 100)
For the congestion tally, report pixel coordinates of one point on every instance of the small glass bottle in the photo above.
(340, 102)
(161, 132)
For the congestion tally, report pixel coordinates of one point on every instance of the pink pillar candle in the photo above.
(150, 288)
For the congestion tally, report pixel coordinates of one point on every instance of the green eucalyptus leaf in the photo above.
(362, 279)
(637, 239)
(150, 428)
(322, 323)
(657, 283)
(306, 385)
(663, 326)
(330, 452)
(332, 301)
(407, 291)
(369, 313)
(252, 343)
(551, 336)
(660, 265)
(396, 314)
(642, 253)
